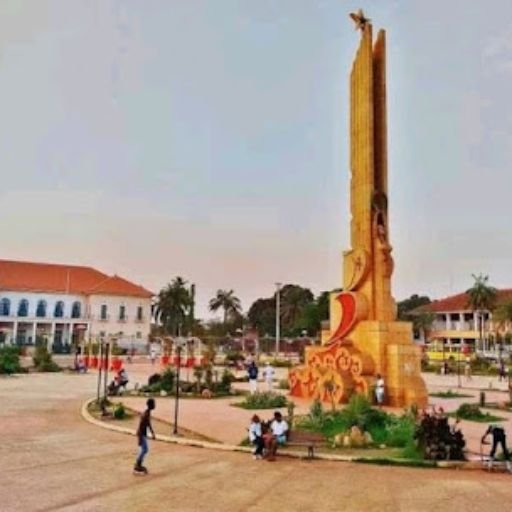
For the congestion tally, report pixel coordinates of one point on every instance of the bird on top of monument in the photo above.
(359, 19)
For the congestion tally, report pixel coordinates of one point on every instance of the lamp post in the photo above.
(458, 366)
(180, 343)
(278, 315)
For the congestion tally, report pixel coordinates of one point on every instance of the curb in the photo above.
(445, 464)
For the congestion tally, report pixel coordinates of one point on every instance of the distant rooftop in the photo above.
(53, 278)
(460, 302)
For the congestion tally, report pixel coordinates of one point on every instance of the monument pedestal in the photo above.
(332, 373)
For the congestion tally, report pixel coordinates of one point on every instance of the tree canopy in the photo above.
(174, 307)
(482, 296)
(226, 300)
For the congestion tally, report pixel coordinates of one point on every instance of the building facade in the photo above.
(455, 323)
(65, 305)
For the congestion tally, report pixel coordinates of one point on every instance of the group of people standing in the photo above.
(253, 373)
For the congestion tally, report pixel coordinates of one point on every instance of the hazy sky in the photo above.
(208, 139)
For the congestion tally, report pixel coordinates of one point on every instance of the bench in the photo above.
(309, 440)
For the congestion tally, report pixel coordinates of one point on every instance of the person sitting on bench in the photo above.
(80, 366)
(278, 435)
(120, 381)
(256, 437)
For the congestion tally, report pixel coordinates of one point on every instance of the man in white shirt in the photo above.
(279, 430)
(268, 373)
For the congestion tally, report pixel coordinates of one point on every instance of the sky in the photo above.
(209, 139)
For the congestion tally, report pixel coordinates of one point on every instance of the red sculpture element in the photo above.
(348, 320)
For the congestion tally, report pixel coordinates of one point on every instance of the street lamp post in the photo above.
(278, 316)
(179, 347)
(99, 371)
(458, 366)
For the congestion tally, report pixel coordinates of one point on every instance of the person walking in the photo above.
(268, 373)
(152, 355)
(256, 437)
(498, 437)
(252, 373)
(142, 433)
(502, 372)
(467, 369)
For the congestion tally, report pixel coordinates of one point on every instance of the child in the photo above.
(142, 432)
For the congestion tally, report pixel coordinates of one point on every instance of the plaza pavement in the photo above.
(51, 459)
(218, 420)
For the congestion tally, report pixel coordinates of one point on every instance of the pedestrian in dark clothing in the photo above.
(498, 437)
(142, 433)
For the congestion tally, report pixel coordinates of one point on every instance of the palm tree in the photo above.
(173, 305)
(481, 298)
(228, 302)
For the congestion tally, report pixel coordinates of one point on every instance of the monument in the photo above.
(364, 338)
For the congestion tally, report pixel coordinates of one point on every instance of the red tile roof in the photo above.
(460, 302)
(47, 277)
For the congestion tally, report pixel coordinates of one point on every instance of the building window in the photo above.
(122, 312)
(103, 312)
(41, 309)
(139, 313)
(59, 309)
(5, 307)
(23, 307)
(76, 310)
(138, 335)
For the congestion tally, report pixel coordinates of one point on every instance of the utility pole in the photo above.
(278, 316)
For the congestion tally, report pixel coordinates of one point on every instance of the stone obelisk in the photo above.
(364, 338)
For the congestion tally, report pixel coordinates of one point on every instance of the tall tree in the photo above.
(482, 297)
(226, 300)
(294, 300)
(262, 315)
(172, 307)
(406, 306)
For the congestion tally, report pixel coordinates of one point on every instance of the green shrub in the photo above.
(168, 380)
(281, 363)
(43, 361)
(360, 412)
(472, 412)
(400, 430)
(265, 400)
(394, 431)
(225, 381)
(10, 360)
(284, 384)
(119, 411)
(233, 357)
(118, 351)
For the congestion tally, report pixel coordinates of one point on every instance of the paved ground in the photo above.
(50, 459)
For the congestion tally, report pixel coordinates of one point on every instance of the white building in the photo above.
(65, 305)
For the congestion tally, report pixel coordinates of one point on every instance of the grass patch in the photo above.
(450, 394)
(389, 429)
(397, 462)
(471, 412)
(265, 400)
